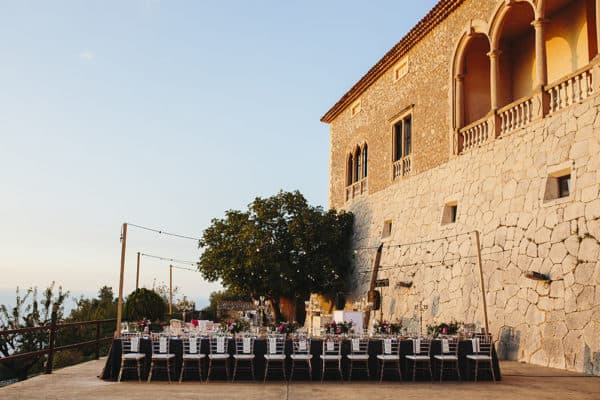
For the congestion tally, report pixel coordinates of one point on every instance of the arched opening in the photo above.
(516, 45)
(570, 36)
(349, 168)
(357, 165)
(365, 157)
(476, 79)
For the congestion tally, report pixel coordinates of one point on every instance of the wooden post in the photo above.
(97, 340)
(137, 275)
(120, 301)
(50, 359)
(171, 290)
(374, 273)
(482, 283)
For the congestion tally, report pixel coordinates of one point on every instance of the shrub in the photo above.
(144, 303)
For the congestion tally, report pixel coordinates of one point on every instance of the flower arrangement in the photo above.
(143, 325)
(387, 327)
(234, 326)
(444, 328)
(286, 327)
(338, 328)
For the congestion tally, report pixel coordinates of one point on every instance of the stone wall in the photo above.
(500, 190)
(425, 91)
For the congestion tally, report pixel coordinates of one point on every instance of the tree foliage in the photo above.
(280, 247)
(210, 312)
(144, 303)
(28, 312)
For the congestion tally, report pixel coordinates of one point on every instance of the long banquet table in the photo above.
(113, 362)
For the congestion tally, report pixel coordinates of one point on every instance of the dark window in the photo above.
(453, 210)
(365, 159)
(407, 135)
(398, 141)
(564, 185)
(349, 168)
(403, 138)
(358, 166)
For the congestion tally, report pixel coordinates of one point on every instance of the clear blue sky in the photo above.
(164, 113)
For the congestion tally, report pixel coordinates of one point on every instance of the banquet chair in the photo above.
(332, 354)
(244, 353)
(275, 354)
(483, 346)
(191, 356)
(449, 357)
(301, 354)
(130, 351)
(359, 354)
(160, 354)
(219, 352)
(421, 359)
(390, 354)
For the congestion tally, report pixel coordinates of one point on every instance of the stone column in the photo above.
(459, 105)
(494, 78)
(541, 71)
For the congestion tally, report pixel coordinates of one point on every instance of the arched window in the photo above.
(349, 168)
(475, 76)
(365, 159)
(514, 45)
(357, 165)
(570, 36)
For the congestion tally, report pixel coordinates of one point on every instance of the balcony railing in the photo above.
(572, 89)
(356, 189)
(516, 115)
(474, 135)
(403, 167)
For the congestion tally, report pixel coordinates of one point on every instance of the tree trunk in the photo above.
(300, 311)
(276, 311)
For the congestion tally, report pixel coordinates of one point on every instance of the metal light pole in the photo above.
(137, 275)
(171, 290)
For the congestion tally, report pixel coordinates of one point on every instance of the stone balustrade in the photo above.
(403, 167)
(474, 135)
(572, 89)
(515, 115)
(356, 189)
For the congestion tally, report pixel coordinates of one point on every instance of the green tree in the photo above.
(103, 307)
(28, 312)
(144, 303)
(280, 247)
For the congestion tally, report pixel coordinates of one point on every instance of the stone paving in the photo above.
(520, 381)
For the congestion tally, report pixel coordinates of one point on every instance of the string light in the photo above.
(390, 245)
(161, 232)
(193, 264)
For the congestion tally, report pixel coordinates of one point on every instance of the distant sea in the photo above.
(7, 297)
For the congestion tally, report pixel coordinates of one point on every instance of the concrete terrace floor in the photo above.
(520, 381)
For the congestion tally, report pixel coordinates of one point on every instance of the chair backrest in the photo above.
(332, 346)
(390, 345)
(192, 345)
(130, 344)
(301, 345)
(359, 345)
(219, 344)
(421, 345)
(244, 344)
(276, 344)
(484, 344)
(450, 346)
(161, 345)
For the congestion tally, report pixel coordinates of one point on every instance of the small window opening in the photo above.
(558, 185)
(450, 213)
(387, 229)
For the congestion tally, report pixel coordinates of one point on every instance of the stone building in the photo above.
(484, 117)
